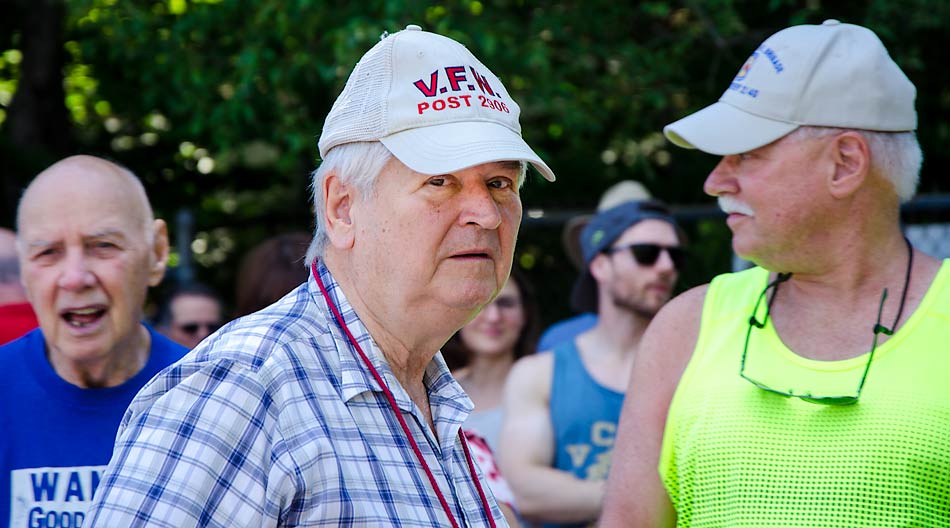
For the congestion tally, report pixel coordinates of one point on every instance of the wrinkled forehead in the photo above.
(99, 193)
(192, 306)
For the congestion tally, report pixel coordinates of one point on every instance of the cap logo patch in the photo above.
(744, 70)
(457, 80)
(736, 84)
(596, 237)
(770, 54)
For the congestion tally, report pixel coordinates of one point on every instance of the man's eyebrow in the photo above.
(33, 244)
(106, 233)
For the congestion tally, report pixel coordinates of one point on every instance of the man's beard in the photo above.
(637, 307)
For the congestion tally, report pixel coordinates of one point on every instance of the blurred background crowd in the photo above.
(217, 105)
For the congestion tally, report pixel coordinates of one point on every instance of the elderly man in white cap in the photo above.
(333, 406)
(810, 390)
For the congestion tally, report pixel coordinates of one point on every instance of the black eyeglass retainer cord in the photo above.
(878, 328)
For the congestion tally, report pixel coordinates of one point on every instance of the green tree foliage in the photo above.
(217, 104)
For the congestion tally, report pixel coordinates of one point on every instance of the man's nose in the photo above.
(721, 180)
(76, 273)
(480, 207)
(664, 263)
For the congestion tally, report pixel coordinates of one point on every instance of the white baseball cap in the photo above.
(832, 75)
(435, 106)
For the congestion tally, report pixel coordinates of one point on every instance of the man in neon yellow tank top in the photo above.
(811, 390)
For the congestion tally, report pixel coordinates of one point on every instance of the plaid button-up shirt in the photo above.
(275, 421)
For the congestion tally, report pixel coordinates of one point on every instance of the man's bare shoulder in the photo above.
(535, 361)
(531, 375)
(671, 336)
(687, 305)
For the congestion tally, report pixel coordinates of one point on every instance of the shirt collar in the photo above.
(447, 399)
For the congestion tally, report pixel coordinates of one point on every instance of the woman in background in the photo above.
(480, 356)
(483, 351)
(270, 270)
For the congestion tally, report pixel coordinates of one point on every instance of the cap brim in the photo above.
(448, 147)
(723, 129)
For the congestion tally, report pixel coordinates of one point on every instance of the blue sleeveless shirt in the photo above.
(584, 417)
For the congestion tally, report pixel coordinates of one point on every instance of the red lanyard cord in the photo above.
(478, 484)
(402, 421)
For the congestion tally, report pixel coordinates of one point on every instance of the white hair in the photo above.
(896, 155)
(356, 164)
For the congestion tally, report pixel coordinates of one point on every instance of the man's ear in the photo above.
(159, 250)
(852, 159)
(600, 266)
(338, 200)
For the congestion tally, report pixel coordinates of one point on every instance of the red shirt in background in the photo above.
(16, 320)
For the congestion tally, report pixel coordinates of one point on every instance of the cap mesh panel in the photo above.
(359, 114)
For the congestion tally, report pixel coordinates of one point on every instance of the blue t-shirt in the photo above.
(566, 330)
(58, 438)
(584, 417)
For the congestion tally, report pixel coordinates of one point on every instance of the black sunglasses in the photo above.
(648, 254)
(754, 323)
(192, 328)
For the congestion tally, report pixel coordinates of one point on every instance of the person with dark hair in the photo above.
(562, 406)
(191, 313)
(89, 248)
(16, 314)
(333, 406)
(270, 270)
(811, 389)
(616, 194)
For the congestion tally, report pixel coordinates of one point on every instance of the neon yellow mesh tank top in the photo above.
(736, 455)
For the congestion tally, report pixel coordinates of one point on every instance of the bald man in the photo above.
(89, 248)
(16, 315)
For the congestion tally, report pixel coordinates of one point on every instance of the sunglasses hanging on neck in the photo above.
(878, 329)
